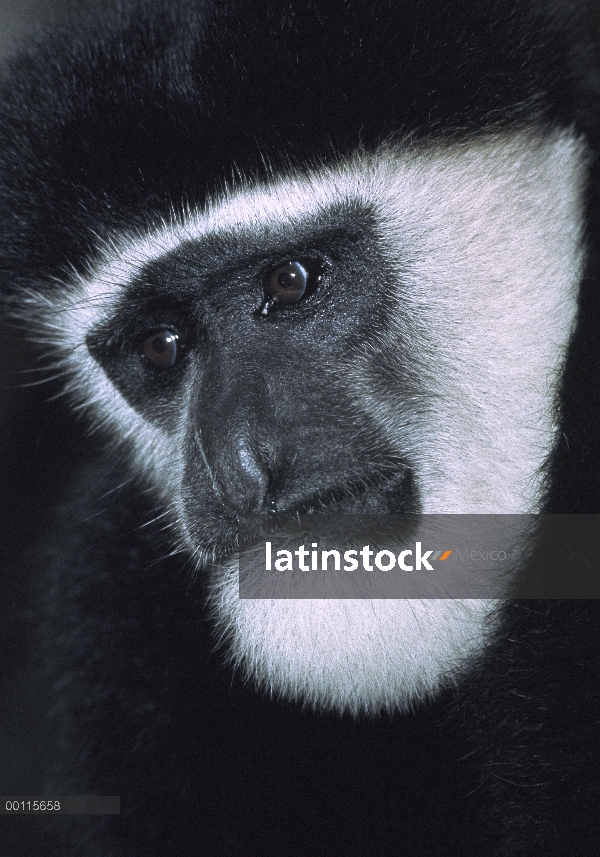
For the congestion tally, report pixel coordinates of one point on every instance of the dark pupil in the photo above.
(159, 345)
(286, 280)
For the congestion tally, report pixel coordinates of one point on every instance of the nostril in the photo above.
(271, 507)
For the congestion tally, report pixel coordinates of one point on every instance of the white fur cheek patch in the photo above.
(486, 242)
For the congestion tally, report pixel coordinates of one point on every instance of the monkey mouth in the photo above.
(371, 495)
(216, 534)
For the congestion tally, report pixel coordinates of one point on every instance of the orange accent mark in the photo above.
(445, 555)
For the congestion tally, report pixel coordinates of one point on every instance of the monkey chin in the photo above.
(355, 656)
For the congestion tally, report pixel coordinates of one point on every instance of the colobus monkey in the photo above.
(296, 256)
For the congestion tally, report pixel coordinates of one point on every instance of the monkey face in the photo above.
(358, 339)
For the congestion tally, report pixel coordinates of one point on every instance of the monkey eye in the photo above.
(287, 283)
(290, 283)
(160, 348)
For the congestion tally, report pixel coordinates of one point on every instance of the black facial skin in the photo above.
(257, 346)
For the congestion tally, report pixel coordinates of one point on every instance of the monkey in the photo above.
(304, 259)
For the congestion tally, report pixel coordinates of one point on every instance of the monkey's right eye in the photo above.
(160, 348)
(287, 283)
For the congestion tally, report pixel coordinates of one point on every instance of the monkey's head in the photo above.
(279, 293)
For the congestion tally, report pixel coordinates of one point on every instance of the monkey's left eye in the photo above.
(160, 348)
(287, 283)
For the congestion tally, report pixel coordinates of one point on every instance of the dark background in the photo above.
(20, 17)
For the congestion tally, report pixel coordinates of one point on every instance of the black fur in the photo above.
(113, 685)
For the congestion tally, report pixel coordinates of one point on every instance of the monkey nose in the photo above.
(242, 474)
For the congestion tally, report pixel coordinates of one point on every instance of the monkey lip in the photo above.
(376, 495)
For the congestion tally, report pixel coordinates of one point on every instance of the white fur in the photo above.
(485, 243)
